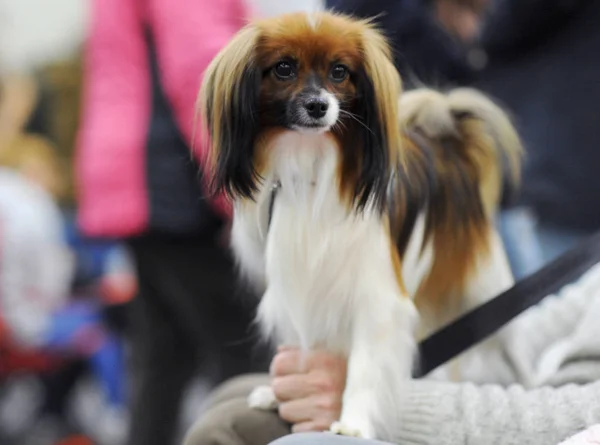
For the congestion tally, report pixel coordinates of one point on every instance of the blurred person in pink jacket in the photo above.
(138, 182)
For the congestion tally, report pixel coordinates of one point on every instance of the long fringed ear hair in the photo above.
(379, 88)
(228, 104)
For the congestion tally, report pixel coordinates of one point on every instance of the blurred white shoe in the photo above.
(112, 427)
(105, 424)
(19, 404)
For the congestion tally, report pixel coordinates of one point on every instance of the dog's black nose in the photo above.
(316, 107)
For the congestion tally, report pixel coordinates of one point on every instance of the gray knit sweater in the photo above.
(541, 385)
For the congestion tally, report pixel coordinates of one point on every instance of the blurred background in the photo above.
(119, 307)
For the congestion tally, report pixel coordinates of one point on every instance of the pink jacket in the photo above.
(110, 164)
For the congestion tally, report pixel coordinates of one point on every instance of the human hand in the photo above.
(309, 387)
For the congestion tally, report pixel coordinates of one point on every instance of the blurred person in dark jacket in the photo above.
(536, 57)
(543, 65)
(139, 182)
(436, 43)
(431, 38)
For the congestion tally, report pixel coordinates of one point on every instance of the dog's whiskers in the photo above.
(356, 118)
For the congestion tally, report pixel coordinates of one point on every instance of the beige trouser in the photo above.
(229, 421)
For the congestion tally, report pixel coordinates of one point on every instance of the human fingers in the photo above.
(295, 361)
(319, 409)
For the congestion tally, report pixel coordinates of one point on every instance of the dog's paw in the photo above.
(344, 430)
(361, 429)
(262, 397)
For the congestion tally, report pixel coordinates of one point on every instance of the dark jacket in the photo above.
(544, 65)
(134, 169)
(424, 53)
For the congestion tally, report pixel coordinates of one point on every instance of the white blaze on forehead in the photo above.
(274, 8)
(312, 19)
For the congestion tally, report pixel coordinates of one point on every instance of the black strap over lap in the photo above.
(486, 319)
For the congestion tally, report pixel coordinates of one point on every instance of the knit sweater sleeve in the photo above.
(530, 349)
(554, 357)
(450, 414)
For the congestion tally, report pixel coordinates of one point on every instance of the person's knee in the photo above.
(322, 439)
(233, 422)
(304, 439)
(237, 387)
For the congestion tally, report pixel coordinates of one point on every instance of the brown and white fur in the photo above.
(383, 220)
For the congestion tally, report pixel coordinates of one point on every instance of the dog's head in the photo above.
(316, 73)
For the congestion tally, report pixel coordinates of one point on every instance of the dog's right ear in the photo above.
(228, 104)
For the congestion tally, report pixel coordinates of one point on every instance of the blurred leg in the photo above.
(163, 360)
(232, 344)
(108, 365)
(230, 421)
(189, 314)
(53, 423)
(58, 385)
(117, 317)
(78, 329)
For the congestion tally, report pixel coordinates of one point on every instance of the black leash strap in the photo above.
(486, 319)
(274, 189)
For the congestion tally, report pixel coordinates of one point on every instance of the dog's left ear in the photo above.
(228, 104)
(380, 88)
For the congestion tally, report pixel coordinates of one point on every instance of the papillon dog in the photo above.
(365, 216)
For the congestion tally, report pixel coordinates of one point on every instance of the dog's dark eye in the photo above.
(284, 70)
(339, 73)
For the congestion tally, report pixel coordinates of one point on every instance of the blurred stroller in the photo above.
(44, 331)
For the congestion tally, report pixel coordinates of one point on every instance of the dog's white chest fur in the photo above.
(328, 274)
(315, 249)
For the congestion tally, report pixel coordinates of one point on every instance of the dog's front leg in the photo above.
(380, 363)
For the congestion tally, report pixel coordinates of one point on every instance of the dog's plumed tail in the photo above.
(477, 129)
(463, 158)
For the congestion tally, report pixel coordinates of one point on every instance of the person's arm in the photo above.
(114, 120)
(440, 413)
(532, 338)
(560, 334)
(449, 413)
